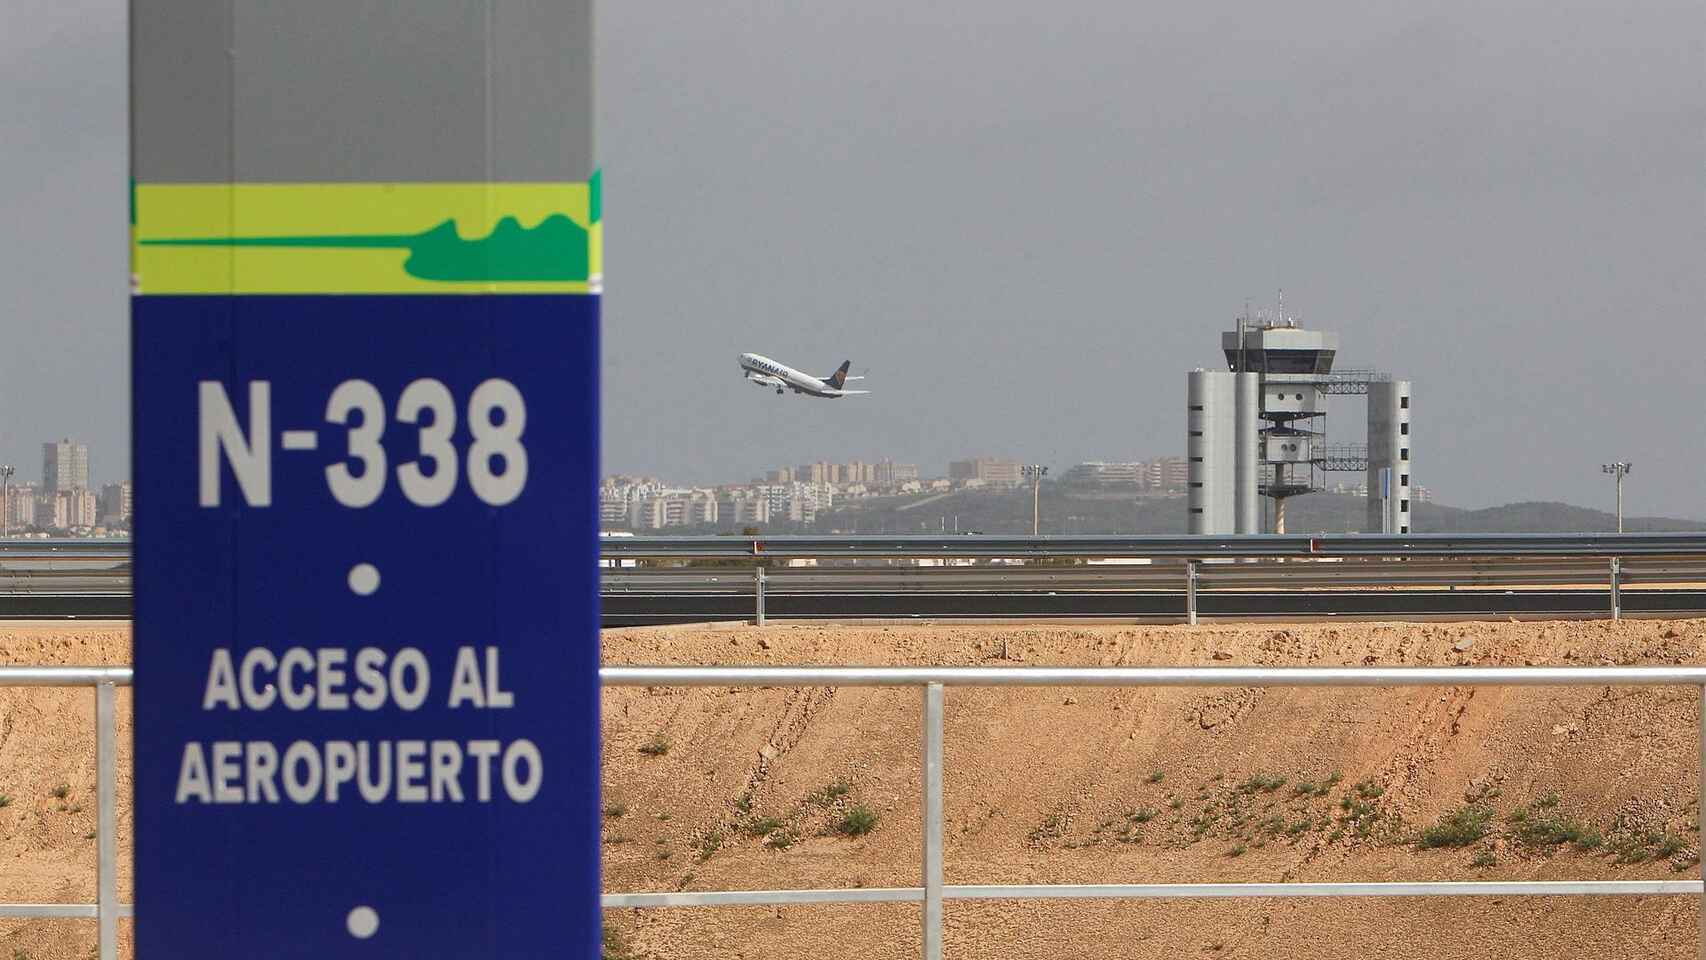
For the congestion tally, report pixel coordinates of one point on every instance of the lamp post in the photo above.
(6, 471)
(1618, 470)
(1036, 472)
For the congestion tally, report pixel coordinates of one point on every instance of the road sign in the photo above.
(365, 394)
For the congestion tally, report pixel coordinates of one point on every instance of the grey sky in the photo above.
(1028, 220)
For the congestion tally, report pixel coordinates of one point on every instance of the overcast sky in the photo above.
(1026, 221)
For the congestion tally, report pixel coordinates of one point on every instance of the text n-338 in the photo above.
(494, 461)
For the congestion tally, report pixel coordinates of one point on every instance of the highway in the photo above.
(662, 580)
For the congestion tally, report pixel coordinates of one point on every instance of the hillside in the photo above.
(1066, 513)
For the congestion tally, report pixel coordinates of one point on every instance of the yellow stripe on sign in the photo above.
(367, 238)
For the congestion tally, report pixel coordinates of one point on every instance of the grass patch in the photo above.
(743, 804)
(1176, 804)
(1052, 827)
(1261, 783)
(857, 822)
(1368, 790)
(830, 793)
(657, 746)
(780, 840)
(62, 791)
(663, 816)
(615, 811)
(1547, 831)
(763, 825)
(1143, 815)
(5, 801)
(1669, 846)
(1237, 851)
(1483, 859)
(1547, 801)
(1459, 828)
(1591, 840)
(710, 844)
(1158, 776)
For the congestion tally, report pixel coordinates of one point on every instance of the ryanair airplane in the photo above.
(766, 372)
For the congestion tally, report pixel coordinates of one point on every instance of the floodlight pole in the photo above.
(1618, 470)
(1036, 472)
(6, 471)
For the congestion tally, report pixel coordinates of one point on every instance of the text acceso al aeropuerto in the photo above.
(362, 771)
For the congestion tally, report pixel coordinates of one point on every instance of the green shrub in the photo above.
(830, 793)
(1459, 828)
(763, 825)
(1669, 846)
(615, 810)
(1484, 858)
(1548, 831)
(857, 822)
(657, 746)
(709, 844)
(1261, 783)
(1143, 815)
(1237, 851)
(1158, 776)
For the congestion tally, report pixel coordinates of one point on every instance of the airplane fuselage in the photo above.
(765, 372)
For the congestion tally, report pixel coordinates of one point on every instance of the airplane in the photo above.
(766, 372)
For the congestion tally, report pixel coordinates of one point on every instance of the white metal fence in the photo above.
(106, 910)
(932, 891)
(934, 680)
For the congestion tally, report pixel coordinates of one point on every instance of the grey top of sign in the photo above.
(260, 91)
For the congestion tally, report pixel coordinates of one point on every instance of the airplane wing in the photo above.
(851, 393)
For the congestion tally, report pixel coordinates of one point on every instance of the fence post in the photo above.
(106, 827)
(1191, 592)
(1616, 588)
(758, 581)
(933, 821)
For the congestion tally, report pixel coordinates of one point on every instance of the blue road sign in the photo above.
(366, 625)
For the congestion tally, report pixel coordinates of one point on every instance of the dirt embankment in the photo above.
(1094, 785)
(723, 788)
(47, 777)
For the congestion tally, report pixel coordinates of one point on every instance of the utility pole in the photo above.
(1036, 472)
(6, 471)
(1618, 470)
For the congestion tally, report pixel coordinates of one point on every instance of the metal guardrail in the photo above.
(933, 891)
(106, 910)
(1182, 547)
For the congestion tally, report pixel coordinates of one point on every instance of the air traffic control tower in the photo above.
(1256, 433)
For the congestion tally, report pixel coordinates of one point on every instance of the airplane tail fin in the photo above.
(839, 378)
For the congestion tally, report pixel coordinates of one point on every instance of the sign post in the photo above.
(366, 270)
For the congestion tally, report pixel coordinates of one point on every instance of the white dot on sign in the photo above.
(364, 578)
(363, 922)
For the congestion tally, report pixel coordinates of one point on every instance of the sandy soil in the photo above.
(1050, 785)
(1056, 785)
